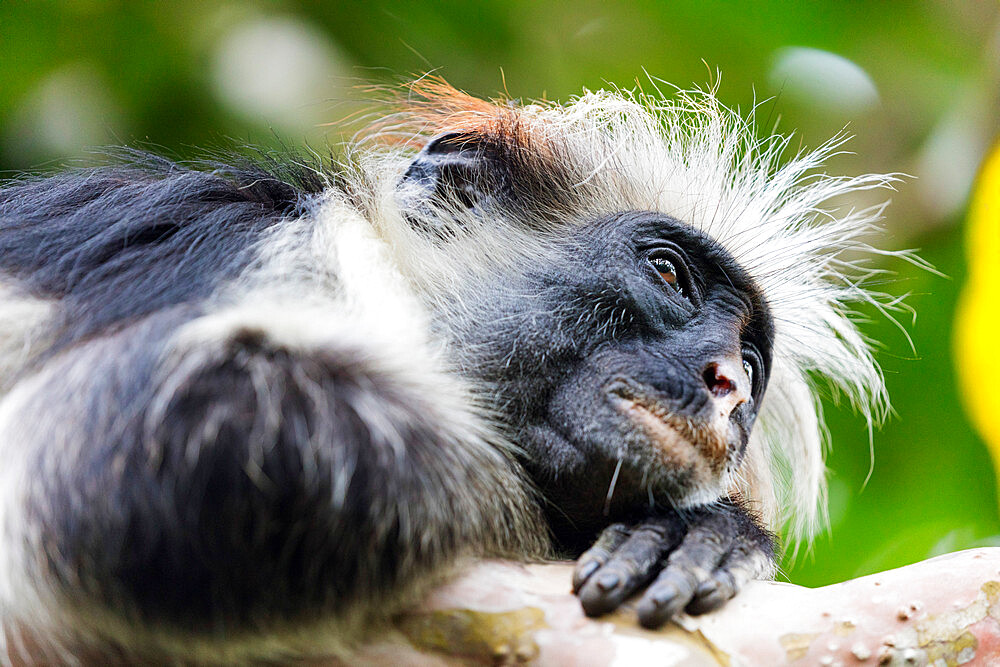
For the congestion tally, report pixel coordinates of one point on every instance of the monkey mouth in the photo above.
(681, 440)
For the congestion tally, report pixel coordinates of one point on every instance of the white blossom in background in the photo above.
(68, 111)
(823, 80)
(279, 71)
(950, 156)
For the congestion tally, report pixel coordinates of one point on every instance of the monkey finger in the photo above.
(629, 568)
(593, 558)
(688, 567)
(713, 592)
(740, 566)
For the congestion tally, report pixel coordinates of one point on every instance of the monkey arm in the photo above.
(229, 482)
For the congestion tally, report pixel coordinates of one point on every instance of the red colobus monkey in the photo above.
(249, 410)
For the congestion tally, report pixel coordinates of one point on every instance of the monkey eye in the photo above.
(753, 366)
(668, 272)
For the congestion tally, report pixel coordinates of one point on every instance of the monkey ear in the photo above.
(454, 171)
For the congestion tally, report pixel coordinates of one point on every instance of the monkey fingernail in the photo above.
(662, 595)
(712, 593)
(583, 573)
(704, 604)
(658, 606)
(706, 588)
(608, 581)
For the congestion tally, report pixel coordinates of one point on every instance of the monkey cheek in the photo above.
(738, 440)
(695, 456)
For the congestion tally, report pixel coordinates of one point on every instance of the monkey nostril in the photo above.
(717, 383)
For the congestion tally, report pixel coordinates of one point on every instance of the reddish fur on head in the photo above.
(431, 106)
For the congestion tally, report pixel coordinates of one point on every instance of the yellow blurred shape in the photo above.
(977, 325)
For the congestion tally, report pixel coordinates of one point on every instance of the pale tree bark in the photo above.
(943, 611)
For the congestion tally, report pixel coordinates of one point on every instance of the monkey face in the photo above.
(626, 355)
(641, 380)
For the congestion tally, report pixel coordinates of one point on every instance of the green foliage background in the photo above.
(85, 73)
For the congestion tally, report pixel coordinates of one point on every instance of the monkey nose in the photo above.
(728, 384)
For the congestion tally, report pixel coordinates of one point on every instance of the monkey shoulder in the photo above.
(115, 243)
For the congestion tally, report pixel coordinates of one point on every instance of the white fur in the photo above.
(27, 601)
(23, 330)
(328, 281)
(22, 333)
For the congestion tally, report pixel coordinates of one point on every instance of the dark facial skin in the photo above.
(631, 373)
(607, 348)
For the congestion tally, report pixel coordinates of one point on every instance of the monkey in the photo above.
(251, 409)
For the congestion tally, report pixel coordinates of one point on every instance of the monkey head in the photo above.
(551, 224)
(628, 361)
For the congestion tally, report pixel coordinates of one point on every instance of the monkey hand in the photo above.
(692, 560)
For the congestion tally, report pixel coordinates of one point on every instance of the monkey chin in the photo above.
(700, 451)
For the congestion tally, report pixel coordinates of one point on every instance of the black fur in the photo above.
(117, 243)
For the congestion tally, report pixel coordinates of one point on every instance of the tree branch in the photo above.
(943, 611)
